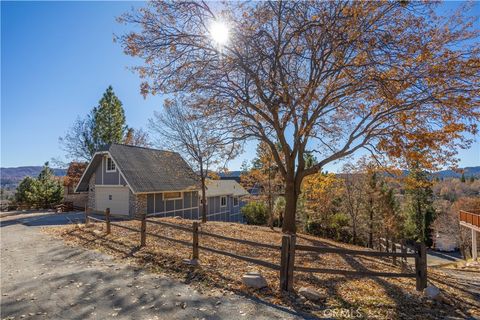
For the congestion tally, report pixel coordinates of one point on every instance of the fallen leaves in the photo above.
(373, 297)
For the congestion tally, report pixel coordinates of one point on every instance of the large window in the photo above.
(235, 201)
(223, 201)
(172, 195)
(110, 165)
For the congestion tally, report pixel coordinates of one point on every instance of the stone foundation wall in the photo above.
(78, 199)
(138, 204)
(91, 192)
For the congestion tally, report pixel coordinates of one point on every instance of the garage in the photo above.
(115, 198)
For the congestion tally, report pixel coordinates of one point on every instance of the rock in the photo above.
(97, 232)
(192, 262)
(254, 280)
(310, 294)
(433, 293)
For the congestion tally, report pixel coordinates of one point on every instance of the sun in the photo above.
(219, 32)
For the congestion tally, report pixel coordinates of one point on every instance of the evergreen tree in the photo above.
(109, 120)
(104, 124)
(463, 177)
(372, 195)
(22, 195)
(46, 190)
(420, 211)
(388, 206)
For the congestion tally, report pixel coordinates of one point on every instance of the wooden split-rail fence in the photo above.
(287, 249)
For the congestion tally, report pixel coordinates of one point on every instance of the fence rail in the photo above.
(352, 252)
(287, 249)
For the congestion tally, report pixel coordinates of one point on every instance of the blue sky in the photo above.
(57, 58)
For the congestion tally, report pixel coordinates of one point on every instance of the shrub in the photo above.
(255, 213)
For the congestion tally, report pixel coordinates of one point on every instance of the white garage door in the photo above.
(115, 198)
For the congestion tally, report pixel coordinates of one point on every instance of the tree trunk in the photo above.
(370, 231)
(270, 204)
(291, 196)
(270, 210)
(204, 201)
(354, 232)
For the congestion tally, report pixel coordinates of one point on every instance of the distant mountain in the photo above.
(11, 177)
(468, 172)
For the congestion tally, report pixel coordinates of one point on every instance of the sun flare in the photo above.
(219, 32)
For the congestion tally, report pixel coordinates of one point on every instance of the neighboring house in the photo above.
(132, 181)
(74, 173)
(237, 176)
(224, 200)
(230, 175)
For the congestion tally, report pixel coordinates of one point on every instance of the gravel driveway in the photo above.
(42, 278)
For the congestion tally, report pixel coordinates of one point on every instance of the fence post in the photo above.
(287, 261)
(107, 220)
(143, 230)
(291, 262)
(403, 248)
(394, 250)
(86, 215)
(421, 266)
(195, 241)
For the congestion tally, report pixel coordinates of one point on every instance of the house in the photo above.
(224, 200)
(133, 181)
(231, 175)
(74, 173)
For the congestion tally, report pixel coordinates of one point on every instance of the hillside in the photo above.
(468, 171)
(11, 177)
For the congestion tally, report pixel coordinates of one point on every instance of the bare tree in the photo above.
(78, 142)
(330, 77)
(204, 143)
(137, 137)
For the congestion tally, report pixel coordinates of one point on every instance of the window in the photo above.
(223, 201)
(110, 165)
(172, 195)
(235, 201)
(110, 197)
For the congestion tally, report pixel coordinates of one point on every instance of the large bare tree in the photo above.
(205, 143)
(329, 77)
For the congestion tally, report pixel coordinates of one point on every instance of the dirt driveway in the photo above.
(42, 278)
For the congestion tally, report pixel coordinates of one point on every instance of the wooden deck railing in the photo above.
(470, 218)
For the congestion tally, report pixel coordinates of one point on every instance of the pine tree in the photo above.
(46, 190)
(22, 195)
(109, 120)
(105, 124)
(463, 177)
(372, 195)
(420, 210)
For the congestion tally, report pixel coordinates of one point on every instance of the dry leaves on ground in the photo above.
(369, 297)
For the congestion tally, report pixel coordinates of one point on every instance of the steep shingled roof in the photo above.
(146, 170)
